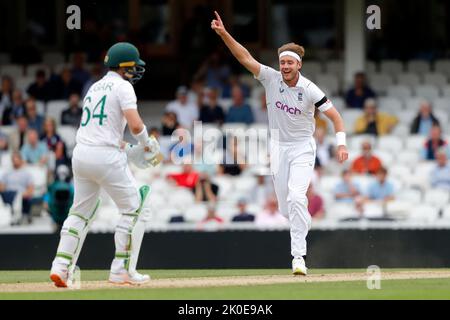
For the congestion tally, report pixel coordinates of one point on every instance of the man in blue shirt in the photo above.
(440, 175)
(381, 189)
(239, 112)
(34, 151)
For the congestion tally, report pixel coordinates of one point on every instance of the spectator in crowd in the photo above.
(169, 123)
(6, 91)
(64, 85)
(243, 215)
(366, 163)
(260, 113)
(381, 189)
(34, 151)
(17, 137)
(15, 109)
(18, 181)
(321, 123)
(55, 143)
(325, 149)
(72, 115)
(3, 144)
(96, 75)
(434, 142)
(59, 197)
(263, 188)
(347, 190)
(205, 189)
(440, 175)
(188, 178)
(211, 111)
(270, 216)
(316, 206)
(373, 121)
(235, 81)
(79, 73)
(204, 162)
(181, 149)
(35, 120)
(356, 96)
(187, 112)
(233, 161)
(211, 220)
(39, 89)
(215, 72)
(196, 92)
(240, 111)
(424, 120)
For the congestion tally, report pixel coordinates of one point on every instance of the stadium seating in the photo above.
(55, 109)
(436, 79)
(380, 82)
(418, 66)
(408, 79)
(399, 91)
(427, 91)
(391, 67)
(442, 66)
(329, 83)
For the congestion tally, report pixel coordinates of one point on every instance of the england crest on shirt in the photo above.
(300, 96)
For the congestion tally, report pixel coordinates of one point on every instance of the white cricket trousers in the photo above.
(107, 168)
(292, 168)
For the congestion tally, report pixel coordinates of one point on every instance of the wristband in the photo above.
(340, 139)
(142, 136)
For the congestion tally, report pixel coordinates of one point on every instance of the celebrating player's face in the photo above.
(289, 67)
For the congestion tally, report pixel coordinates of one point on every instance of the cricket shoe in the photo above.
(59, 275)
(299, 267)
(126, 278)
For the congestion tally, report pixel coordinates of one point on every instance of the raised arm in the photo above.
(239, 52)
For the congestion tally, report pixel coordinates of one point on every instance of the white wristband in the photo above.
(142, 136)
(340, 139)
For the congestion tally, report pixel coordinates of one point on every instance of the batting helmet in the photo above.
(126, 55)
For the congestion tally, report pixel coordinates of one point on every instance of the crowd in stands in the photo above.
(215, 97)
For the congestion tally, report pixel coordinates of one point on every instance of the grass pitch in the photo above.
(236, 284)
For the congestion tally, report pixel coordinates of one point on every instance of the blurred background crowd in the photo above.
(396, 112)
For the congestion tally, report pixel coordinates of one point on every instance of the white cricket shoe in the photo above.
(59, 275)
(299, 267)
(126, 278)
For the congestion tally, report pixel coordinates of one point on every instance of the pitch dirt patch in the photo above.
(228, 281)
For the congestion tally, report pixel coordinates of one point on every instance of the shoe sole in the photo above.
(128, 283)
(58, 281)
(298, 272)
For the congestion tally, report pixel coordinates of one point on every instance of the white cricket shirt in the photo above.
(291, 109)
(103, 122)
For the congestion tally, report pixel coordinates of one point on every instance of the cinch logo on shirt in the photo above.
(286, 108)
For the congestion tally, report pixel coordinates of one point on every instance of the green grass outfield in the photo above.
(390, 289)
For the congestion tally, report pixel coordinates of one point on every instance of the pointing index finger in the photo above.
(217, 16)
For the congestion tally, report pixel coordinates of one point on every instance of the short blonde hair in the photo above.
(291, 46)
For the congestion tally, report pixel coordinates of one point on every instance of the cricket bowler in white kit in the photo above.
(291, 101)
(100, 161)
